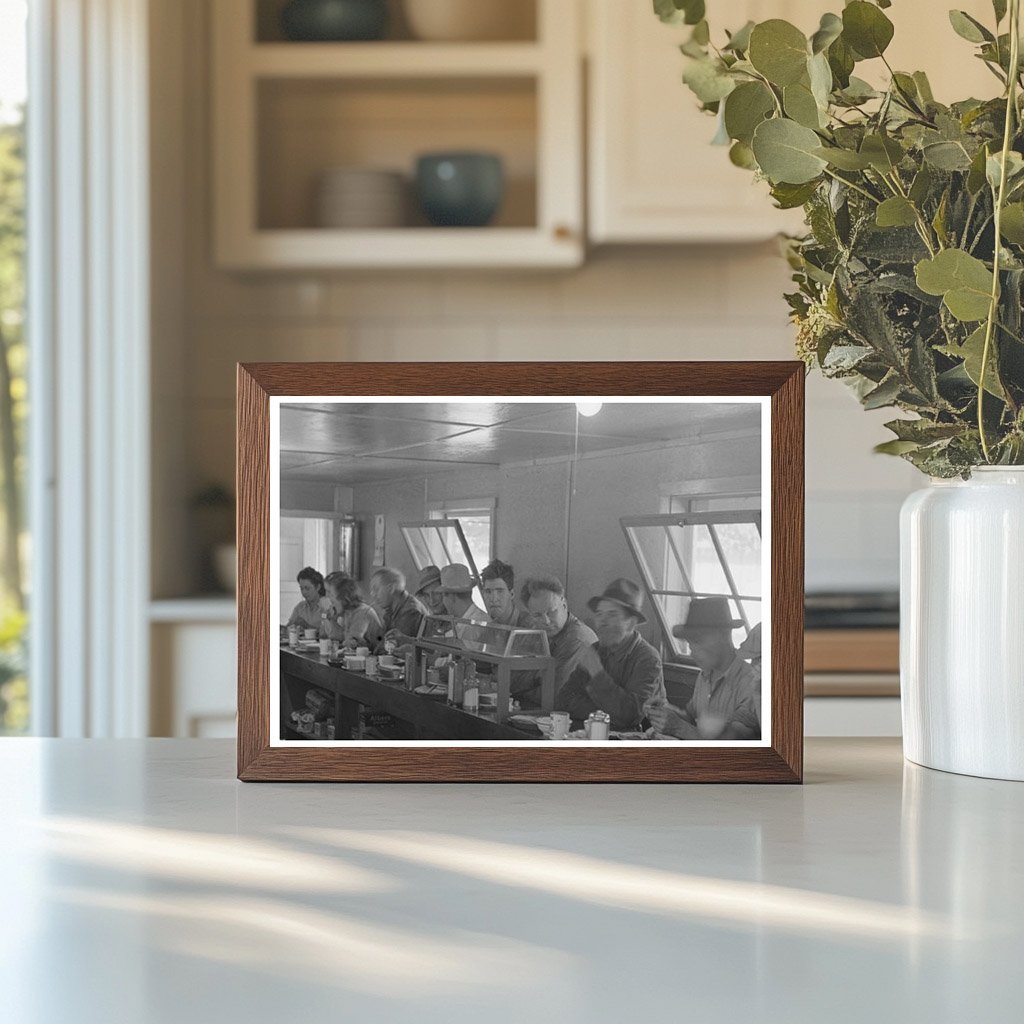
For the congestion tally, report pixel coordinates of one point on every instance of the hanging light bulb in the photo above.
(590, 408)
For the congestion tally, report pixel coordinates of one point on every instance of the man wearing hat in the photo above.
(457, 588)
(726, 701)
(620, 674)
(428, 590)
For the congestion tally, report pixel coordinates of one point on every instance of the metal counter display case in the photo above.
(507, 650)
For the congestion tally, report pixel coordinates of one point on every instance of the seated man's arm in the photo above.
(745, 723)
(572, 696)
(626, 703)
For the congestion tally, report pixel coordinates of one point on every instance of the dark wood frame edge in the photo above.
(258, 761)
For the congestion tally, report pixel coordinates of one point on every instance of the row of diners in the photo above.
(430, 637)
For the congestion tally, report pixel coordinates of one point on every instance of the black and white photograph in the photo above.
(464, 571)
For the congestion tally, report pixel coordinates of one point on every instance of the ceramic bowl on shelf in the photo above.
(467, 21)
(361, 197)
(460, 189)
(331, 21)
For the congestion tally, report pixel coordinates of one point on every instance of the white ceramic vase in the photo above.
(962, 624)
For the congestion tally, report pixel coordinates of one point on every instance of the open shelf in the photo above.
(393, 60)
(519, 23)
(309, 126)
(288, 113)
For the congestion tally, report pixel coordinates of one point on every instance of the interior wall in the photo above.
(607, 489)
(314, 496)
(670, 302)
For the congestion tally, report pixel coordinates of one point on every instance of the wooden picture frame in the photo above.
(779, 759)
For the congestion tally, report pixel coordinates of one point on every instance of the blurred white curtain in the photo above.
(89, 348)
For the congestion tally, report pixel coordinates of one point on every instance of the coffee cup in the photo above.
(362, 652)
(325, 647)
(309, 634)
(388, 660)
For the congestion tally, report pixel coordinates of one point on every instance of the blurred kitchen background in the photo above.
(288, 219)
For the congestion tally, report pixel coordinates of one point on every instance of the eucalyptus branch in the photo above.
(993, 308)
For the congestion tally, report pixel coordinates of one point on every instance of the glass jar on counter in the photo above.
(598, 725)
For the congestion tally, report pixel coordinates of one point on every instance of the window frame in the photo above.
(682, 519)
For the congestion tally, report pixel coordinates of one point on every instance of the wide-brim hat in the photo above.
(706, 613)
(430, 576)
(623, 592)
(455, 579)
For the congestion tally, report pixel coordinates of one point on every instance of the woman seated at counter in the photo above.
(309, 612)
(350, 619)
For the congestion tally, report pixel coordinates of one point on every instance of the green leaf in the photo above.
(742, 155)
(866, 29)
(968, 28)
(896, 212)
(971, 352)
(844, 159)
(946, 156)
(963, 281)
(707, 80)
(895, 447)
(1011, 226)
(859, 91)
(924, 88)
(923, 431)
(745, 108)
(739, 41)
(921, 185)
(830, 28)
(778, 50)
(841, 60)
(676, 12)
(883, 153)
(939, 220)
(994, 167)
(820, 76)
(885, 394)
(789, 197)
(976, 174)
(701, 33)
(800, 105)
(785, 152)
(999, 7)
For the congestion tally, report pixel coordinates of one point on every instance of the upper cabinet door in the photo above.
(653, 174)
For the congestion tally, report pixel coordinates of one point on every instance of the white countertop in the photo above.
(143, 884)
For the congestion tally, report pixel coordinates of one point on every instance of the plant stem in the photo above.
(993, 308)
(855, 187)
(922, 225)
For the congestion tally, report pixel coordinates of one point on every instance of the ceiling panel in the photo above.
(358, 471)
(458, 413)
(338, 433)
(358, 442)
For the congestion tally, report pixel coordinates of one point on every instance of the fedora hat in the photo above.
(706, 613)
(429, 576)
(623, 592)
(455, 579)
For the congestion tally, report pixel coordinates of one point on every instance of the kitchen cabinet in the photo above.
(192, 671)
(287, 113)
(653, 175)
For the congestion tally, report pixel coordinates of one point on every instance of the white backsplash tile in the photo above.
(714, 302)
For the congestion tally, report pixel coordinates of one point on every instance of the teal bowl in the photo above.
(462, 190)
(334, 21)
